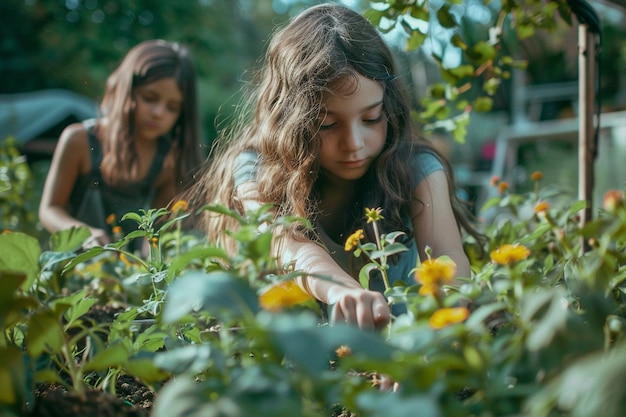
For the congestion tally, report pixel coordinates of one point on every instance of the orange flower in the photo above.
(282, 295)
(110, 218)
(495, 180)
(353, 240)
(612, 200)
(502, 187)
(117, 230)
(509, 254)
(536, 176)
(541, 207)
(435, 272)
(447, 316)
(180, 205)
(343, 351)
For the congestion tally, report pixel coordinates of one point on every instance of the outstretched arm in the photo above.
(348, 300)
(70, 159)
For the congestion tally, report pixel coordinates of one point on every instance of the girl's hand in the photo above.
(98, 238)
(365, 308)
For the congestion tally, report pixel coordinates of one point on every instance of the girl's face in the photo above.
(157, 107)
(353, 130)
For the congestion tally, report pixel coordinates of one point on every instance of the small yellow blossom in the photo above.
(343, 351)
(110, 218)
(282, 295)
(435, 272)
(154, 241)
(373, 215)
(541, 207)
(612, 200)
(509, 254)
(536, 176)
(125, 260)
(447, 316)
(502, 187)
(180, 205)
(353, 240)
(429, 289)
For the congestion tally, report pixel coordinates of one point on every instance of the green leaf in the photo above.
(445, 18)
(458, 41)
(45, 333)
(416, 40)
(310, 346)
(146, 370)
(482, 52)
(69, 240)
(19, 253)
(364, 274)
(218, 292)
(482, 104)
(113, 356)
(12, 376)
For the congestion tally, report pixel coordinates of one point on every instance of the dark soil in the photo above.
(131, 399)
(57, 401)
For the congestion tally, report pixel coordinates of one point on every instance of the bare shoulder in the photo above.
(73, 146)
(74, 135)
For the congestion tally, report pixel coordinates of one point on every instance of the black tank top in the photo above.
(115, 199)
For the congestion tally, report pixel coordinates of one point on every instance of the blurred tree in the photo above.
(75, 44)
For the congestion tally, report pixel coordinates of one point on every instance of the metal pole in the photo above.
(586, 99)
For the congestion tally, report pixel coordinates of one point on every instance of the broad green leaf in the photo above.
(69, 240)
(19, 253)
(114, 356)
(146, 370)
(45, 333)
(217, 292)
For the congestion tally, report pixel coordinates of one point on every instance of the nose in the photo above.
(158, 109)
(352, 138)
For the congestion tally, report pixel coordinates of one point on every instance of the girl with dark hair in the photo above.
(327, 132)
(138, 154)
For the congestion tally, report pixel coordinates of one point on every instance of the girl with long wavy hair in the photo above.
(139, 153)
(326, 133)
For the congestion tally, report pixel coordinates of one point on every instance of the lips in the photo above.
(353, 164)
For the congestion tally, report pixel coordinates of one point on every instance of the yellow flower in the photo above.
(541, 207)
(353, 240)
(180, 205)
(282, 295)
(435, 272)
(343, 351)
(612, 200)
(125, 260)
(447, 316)
(110, 218)
(154, 241)
(429, 289)
(509, 254)
(536, 176)
(373, 215)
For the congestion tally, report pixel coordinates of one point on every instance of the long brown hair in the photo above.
(322, 49)
(146, 63)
